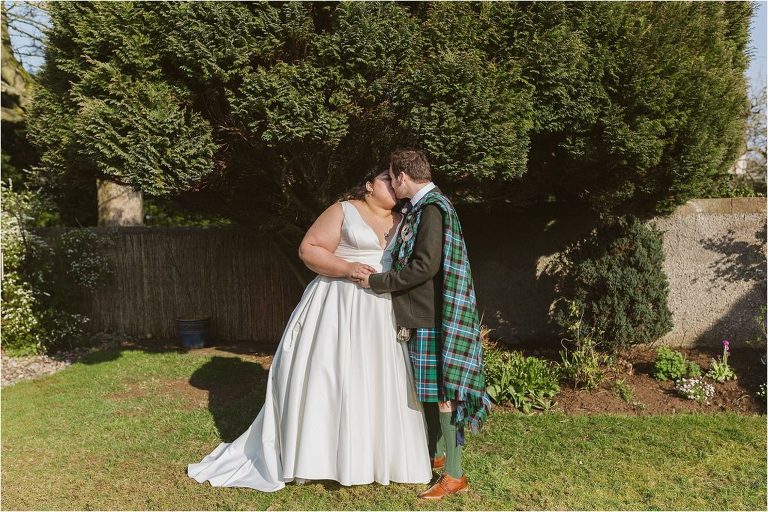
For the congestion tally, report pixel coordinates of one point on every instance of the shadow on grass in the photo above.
(111, 351)
(235, 393)
(235, 387)
(101, 356)
(327, 485)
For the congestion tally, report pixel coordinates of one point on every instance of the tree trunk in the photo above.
(119, 205)
(16, 81)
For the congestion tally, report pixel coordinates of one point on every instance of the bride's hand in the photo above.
(356, 271)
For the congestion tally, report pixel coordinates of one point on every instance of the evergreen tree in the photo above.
(266, 112)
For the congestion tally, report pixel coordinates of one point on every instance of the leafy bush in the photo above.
(615, 277)
(585, 365)
(694, 370)
(44, 284)
(672, 365)
(527, 382)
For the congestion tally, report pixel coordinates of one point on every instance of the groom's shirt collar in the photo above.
(421, 193)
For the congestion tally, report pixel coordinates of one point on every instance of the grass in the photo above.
(117, 431)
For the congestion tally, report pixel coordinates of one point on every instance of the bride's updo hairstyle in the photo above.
(358, 191)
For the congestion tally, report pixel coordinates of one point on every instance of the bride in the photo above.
(340, 401)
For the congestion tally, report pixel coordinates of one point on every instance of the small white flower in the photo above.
(695, 389)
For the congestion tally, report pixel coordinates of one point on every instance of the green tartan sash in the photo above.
(461, 358)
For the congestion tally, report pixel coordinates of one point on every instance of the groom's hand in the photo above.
(357, 271)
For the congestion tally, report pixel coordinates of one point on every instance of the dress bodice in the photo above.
(360, 243)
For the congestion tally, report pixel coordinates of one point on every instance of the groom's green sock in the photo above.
(435, 440)
(453, 450)
(440, 441)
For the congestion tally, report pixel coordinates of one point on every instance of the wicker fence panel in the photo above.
(238, 277)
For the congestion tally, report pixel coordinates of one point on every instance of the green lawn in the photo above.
(117, 431)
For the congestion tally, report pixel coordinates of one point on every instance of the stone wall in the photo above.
(714, 259)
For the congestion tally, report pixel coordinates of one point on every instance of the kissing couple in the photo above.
(380, 368)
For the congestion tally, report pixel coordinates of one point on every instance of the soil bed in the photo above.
(654, 397)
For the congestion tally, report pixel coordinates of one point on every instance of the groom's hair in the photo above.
(412, 162)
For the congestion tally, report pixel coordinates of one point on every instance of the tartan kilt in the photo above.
(424, 345)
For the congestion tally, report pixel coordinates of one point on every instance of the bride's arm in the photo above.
(321, 240)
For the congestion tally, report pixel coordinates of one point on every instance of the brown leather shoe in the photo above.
(438, 462)
(445, 486)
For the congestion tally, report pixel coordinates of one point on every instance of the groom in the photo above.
(434, 302)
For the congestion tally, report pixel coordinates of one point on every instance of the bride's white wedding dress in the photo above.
(340, 401)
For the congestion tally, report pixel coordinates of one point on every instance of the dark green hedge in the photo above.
(267, 111)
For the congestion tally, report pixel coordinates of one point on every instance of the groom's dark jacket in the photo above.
(417, 288)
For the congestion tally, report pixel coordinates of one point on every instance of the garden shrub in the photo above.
(526, 382)
(693, 370)
(45, 283)
(669, 364)
(584, 366)
(615, 277)
(672, 365)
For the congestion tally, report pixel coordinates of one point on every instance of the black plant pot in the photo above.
(193, 332)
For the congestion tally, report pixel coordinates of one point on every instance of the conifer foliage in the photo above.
(268, 111)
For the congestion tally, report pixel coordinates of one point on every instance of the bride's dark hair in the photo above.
(359, 190)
